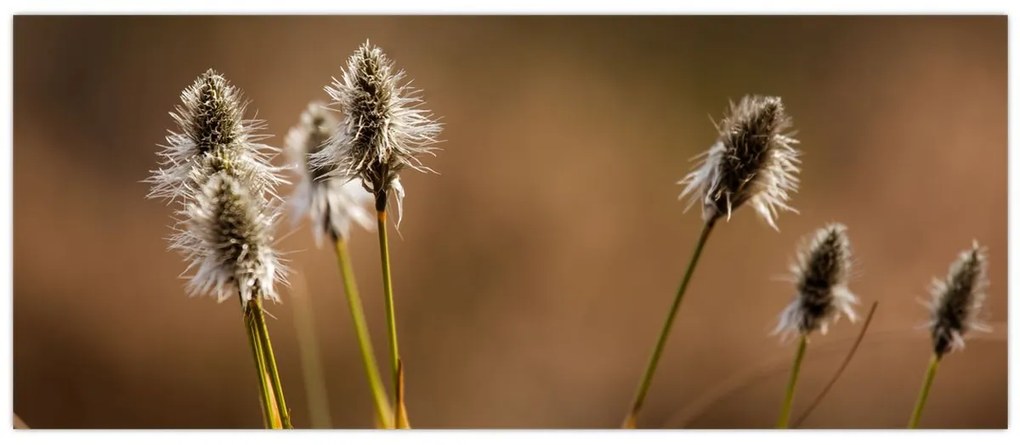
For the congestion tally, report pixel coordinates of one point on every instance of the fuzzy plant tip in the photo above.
(957, 300)
(331, 203)
(210, 123)
(821, 272)
(753, 161)
(224, 182)
(384, 129)
(228, 242)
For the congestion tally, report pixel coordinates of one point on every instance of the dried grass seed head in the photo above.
(331, 203)
(958, 299)
(384, 128)
(821, 272)
(227, 240)
(211, 119)
(752, 162)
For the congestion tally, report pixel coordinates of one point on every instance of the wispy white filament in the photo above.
(330, 203)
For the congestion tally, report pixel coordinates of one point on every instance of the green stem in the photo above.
(391, 322)
(270, 417)
(384, 414)
(791, 387)
(270, 358)
(929, 377)
(842, 367)
(653, 363)
(311, 364)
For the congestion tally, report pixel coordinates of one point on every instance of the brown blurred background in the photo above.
(534, 272)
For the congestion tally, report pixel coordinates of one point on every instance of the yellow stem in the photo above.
(270, 358)
(270, 414)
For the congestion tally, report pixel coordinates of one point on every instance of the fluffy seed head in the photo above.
(753, 161)
(821, 271)
(227, 241)
(222, 178)
(957, 301)
(383, 130)
(210, 118)
(330, 203)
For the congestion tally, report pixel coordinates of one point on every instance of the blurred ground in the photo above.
(533, 274)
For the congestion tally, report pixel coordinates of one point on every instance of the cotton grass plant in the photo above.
(956, 304)
(333, 205)
(384, 131)
(349, 154)
(752, 162)
(821, 273)
(221, 178)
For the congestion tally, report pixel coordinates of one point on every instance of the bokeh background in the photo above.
(533, 274)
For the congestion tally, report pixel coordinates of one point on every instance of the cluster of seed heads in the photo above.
(214, 167)
(754, 161)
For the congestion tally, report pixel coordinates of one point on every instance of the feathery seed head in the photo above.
(957, 301)
(223, 180)
(383, 131)
(753, 162)
(228, 241)
(211, 122)
(331, 203)
(822, 271)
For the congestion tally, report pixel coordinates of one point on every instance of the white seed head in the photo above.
(227, 241)
(821, 272)
(331, 203)
(384, 129)
(957, 300)
(753, 162)
(210, 118)
(215, 169)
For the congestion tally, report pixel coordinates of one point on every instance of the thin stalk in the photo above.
(384, 414)
(653, 363)
(311, 364)
(842, 367)
(391, 322)
(270, 358)
(791, 387)
(270, 415)
(929, 377)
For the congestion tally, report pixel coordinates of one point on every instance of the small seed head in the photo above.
(330, 203)
(384, 129)
(957, 301)
(821, 273)
(753, 161)
(227, 241)
(211, 119)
